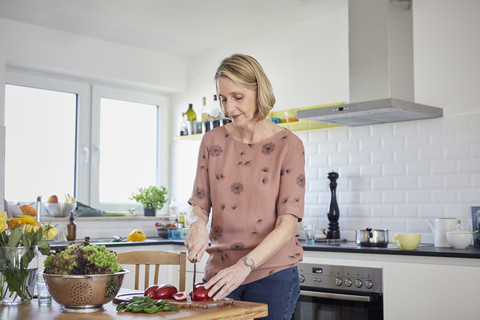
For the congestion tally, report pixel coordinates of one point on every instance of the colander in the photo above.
(84, 293)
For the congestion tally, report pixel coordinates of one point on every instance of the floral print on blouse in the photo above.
(246, 187)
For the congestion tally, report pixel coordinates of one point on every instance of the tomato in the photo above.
(180, 296)
(199, 284)
(164, 291)
(150, 290)
(199, 293)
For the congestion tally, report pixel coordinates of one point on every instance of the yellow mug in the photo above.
(406, 241)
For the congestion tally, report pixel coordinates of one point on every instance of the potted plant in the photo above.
(152, 198)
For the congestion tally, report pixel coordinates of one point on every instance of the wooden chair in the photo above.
(157, 258)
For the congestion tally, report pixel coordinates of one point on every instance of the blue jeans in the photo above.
(279, 291)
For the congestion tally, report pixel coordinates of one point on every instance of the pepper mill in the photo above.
(334, 213)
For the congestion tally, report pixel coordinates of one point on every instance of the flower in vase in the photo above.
(19, 240)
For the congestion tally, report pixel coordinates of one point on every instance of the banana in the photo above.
(69, 199)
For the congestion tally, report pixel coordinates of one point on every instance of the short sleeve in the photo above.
(292, 180)
(201, 187)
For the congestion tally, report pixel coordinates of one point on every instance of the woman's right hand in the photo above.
(197, 238)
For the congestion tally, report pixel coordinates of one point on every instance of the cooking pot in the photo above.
(372, 237)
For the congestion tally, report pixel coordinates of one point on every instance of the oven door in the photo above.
(314, 304)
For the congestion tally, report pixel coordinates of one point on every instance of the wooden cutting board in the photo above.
(181, 304)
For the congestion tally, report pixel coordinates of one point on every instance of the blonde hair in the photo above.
(245, 71)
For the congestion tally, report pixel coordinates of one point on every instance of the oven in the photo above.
(332, 292)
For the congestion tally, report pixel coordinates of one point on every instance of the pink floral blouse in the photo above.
(246, 187)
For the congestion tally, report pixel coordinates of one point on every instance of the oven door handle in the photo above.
(337, 296)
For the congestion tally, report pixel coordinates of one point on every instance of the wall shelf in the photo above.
(292, 125)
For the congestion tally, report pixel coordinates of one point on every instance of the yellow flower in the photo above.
(12, 223)
(27, 219)
(3, 221)
(50, 232)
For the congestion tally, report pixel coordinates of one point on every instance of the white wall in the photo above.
(392, 176)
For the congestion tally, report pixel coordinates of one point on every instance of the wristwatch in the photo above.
(249, 262)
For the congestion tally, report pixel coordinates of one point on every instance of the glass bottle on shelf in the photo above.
(71, 229)
(191, 115)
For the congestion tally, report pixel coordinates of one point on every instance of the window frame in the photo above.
(88, 94)
(163, 130)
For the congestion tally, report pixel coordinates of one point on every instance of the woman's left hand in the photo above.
(227, 280)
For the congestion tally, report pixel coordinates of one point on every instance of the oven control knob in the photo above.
(302, 278)
(338, 281)
(368, 284)
(358, 283)
(348, 282)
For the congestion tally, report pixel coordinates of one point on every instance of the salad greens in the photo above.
(82, 259)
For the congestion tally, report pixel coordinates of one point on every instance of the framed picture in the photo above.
(475, 218)
(476, 225)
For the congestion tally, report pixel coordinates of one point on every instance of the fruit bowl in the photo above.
(84, 293)
(14, 208)
(59, 209)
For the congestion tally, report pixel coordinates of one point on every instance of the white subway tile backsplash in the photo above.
(394, 197)
(458, 181)
(382, 183)
(370, 144)
(447, 167)
(393, 176)
(444, 196)
(374, 170)
(405, 128)
(360, 158)
(431, 182)
(416, 196)
(382, 156)
(457, 152)
(315, 161)
(403, 210)
(417, 141)
(370, 197)
(338, 159)
(393, 142)
(431, 153)
(405, 155)
(469, 165)
(394, 169)
(469, 195)
(443, 139)
(418, 168)
(406, 183)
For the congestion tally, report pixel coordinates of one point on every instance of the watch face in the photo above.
(249, 261)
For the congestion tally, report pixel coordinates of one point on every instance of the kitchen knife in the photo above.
(194, 271)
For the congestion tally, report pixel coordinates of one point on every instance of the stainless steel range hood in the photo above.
(371, 112)
(380, 66)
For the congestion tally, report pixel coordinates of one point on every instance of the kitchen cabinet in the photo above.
(430, 291)
(418, 287)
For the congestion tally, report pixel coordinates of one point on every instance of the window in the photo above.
(40, 142)
(94, 142)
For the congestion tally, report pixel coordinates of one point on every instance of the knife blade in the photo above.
(194, 271)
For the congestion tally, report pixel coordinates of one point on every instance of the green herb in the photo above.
(139, 304)
(157, 196)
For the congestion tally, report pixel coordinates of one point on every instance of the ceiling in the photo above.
(178, 27)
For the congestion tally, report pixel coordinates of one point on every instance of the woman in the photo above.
(251, 175)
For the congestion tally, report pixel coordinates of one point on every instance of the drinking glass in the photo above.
(309, 233)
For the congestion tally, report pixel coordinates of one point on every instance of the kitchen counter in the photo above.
(423, 249)
(239, 310)
(427, 250)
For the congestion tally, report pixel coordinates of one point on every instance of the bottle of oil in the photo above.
(71, 229)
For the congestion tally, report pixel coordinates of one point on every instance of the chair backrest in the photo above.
(157, 258)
